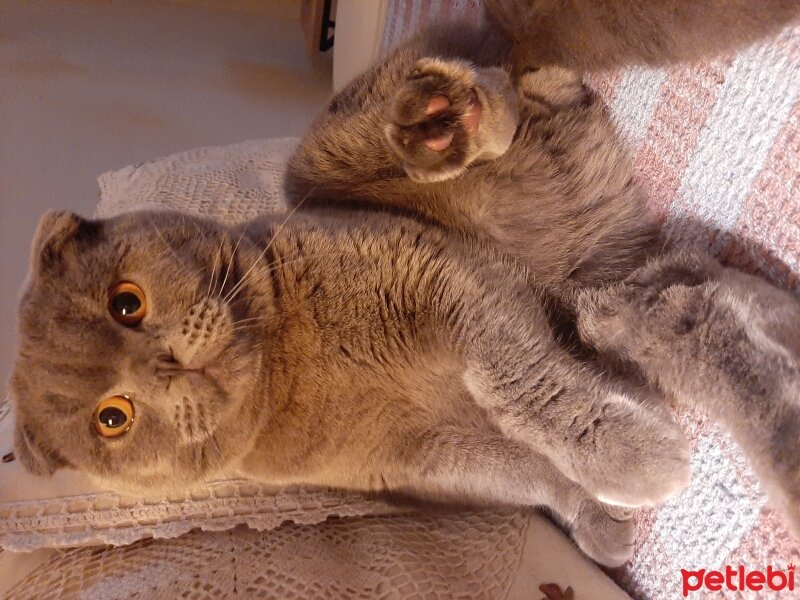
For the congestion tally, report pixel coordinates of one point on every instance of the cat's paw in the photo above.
(645, 464)
(552, 88)
(447, 115)
(627, 450)
(605, 534)
(657, 305)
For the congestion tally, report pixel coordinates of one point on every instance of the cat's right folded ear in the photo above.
(34, 456)
(56, 230)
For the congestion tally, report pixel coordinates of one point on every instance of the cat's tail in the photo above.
(601, 34)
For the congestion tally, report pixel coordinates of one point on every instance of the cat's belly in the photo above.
(352, 427)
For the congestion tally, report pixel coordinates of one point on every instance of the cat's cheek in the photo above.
(199, 333)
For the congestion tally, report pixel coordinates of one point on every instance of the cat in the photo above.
(456, 207)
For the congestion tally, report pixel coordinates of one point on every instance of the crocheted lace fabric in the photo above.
(435, 556)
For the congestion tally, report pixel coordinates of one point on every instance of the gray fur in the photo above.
(397, 332)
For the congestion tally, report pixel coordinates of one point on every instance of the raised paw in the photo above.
(449, 114)
(605, 534)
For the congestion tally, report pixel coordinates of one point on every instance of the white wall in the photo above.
(359, 33)
(91, 86)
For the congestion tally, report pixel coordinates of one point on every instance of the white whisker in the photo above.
(214, 270)
(261, 255)
(239, 322)
(230, 262)
(167, 244)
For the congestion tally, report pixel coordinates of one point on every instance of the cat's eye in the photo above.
(127, 303)
(113, 416)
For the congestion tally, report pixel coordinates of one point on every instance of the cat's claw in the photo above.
(449, 114)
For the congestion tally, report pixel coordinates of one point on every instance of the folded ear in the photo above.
(35, 456)
(57, 228)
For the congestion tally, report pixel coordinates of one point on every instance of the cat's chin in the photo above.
(157, 486)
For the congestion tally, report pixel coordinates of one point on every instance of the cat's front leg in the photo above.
(477, 466)
(612, 439)
(718, 339)
(449, 114)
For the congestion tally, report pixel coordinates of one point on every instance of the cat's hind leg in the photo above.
(715, 338)
(448, 114)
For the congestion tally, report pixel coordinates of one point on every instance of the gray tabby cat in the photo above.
(466, 199)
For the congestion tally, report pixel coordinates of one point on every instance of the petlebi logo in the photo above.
(739, 580)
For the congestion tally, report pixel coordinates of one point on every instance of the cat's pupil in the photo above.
(126, 303)
(112, 417)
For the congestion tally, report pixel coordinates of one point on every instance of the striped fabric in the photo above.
(404, 17)
(717, 147)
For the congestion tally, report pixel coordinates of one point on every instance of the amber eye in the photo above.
(113, 416)
(126, 303)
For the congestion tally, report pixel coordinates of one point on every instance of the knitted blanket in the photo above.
(717, 147)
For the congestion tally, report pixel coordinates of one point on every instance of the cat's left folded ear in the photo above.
(54, 234)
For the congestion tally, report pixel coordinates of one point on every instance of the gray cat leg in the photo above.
(718, 339)
(614, 441)
(472, 465)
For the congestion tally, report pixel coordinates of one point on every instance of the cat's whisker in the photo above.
(209, 436)
(167, 244)
(215, 291)
(268, 246)
(251, 325)
(230, 263)
(239, 322)
(273, 266)
(213, 277)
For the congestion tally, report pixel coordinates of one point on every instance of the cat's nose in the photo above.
(167, 362)
(167, 365)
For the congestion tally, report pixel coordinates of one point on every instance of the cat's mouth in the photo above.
(172, 372)
(168, 368)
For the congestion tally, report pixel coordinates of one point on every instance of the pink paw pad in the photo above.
(470, 119)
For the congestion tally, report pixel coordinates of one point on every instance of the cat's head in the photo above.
(139, 358)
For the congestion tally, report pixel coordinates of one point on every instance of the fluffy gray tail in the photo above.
(601, 34)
